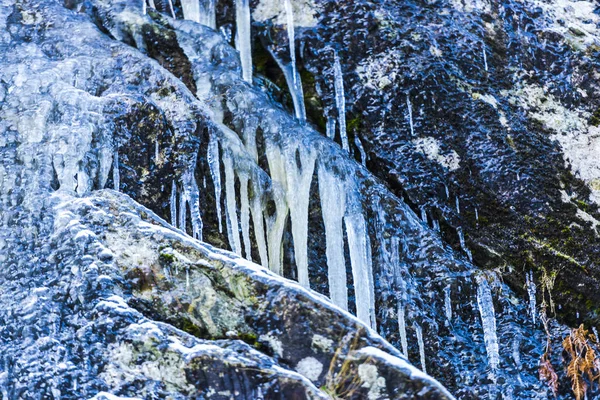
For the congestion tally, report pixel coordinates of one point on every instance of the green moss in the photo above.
(188, 326)
(167, 258)
(595, 118)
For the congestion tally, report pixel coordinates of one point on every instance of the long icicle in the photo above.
(333, 207)
(340, 99)
(173, 204)
(191, 10)
(259, 226)
(243, 40)
(245, 214)
(208, 15)
(295, 88)
(488, 321)
(215, 173)
(116, 175)
(299, 177)
(193, 197)
(276, 224)
(233, 231)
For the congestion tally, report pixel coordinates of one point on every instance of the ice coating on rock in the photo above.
(488, 321)
(243, 37)
(300, 166)
(340, 99)
(333, 207)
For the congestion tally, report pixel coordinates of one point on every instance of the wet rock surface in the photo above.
(463, 218)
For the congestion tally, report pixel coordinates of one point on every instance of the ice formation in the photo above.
(531, 289)
(191, 10)
(295, 86)
(488, 321)
(215, 173)
(243, 38)
(333, 207)
(340, 99)
(233, 230)
(419, 332)
(300, 166)
(116, 175)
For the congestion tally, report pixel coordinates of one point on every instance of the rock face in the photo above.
(449, 217)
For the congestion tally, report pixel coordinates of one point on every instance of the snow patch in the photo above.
(305, 12)
(310, 367)
(430, 147)
(371, 380)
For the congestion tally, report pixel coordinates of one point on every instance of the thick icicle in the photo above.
(361, 150)
(333, 207)
(289, 13)
(531, 289)
(116, 175)
(294, 85)
(208, 14)
(245, 214)
(243, 39)
(330, 128)
(144, 7)
(448, 303)
(299, 178)
(171, 9)
(340, 99)
(419, 332)
(183, 200)
(173, 204)
(192, 194)
(215, 173)
(191, 10)
(276, 223)
(402, 329)
(233, 231)
(410, 116)
(358, 243)
(259, 228)
(488, 321)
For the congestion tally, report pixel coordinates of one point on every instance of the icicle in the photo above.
(419, 333)
(515, 352)
(173, 204)
(289, 13)
(531, 291)
(457, 205)
(192, 194)
(358, 244)
(208, 15)
(447, 191)
(191, 10)
(259, 228)
(215, 173)
(330, 128)
(361, 150)
(152, 4)
(249, 133)
(243, 38)
(488, 321)
(171, 9)
(463, 245)
(299, 178)
(182, 210)
(476, 215)
(340, 100)
(144, 12)
(402, 329)
(116, 175)
(294, 85)
(245, 214)
(233, 231)
(333, 207)
(410, 115)
(423, 215)
(276, 224)
(485, 64)
(448, 303)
